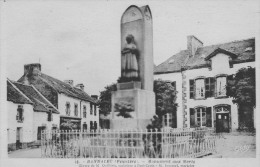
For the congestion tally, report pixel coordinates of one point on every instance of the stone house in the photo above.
(73, 103)
(29, 113)
(200, 74)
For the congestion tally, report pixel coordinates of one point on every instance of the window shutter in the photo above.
(208, 117)
(192, 89)
(174, 84)
(207, 87)
(192, 118)
(212, 86)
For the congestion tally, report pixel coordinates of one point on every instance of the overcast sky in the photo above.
(80, 40)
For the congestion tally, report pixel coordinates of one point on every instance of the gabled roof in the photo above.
(183, 60)
(42, 80)
(219, 50)
(16, 96)
(39, 102)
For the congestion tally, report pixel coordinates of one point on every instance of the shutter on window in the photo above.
(212, 86)
(192, 89)
(207, 87)
(174, 84)
(192, 118)
(208, 117)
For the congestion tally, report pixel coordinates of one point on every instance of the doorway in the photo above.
(18, 138)
(222, 122)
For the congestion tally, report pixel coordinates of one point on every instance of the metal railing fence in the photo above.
(171, 143)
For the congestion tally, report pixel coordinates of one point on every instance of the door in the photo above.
(18, 138)
(222, 122)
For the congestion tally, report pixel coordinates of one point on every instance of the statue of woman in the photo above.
(129, 59)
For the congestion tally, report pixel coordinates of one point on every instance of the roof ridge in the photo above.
(19, 91)
(227, 42)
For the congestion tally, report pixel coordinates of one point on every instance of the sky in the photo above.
(80, 40)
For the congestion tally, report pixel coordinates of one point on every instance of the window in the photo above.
(200, 88)
(210, 87)
(200, 117)
(49, 116)
(67, 109)
(167, 120)
(95, 110)
(19, 116)
(221, 86)
(91, 108)
(39, 132)
(85, 126)
(91, 125)
(84, 111)
(95, 125)
(75, 109)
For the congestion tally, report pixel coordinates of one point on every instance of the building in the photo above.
(200, 74)
(74, 104)
(29, 113)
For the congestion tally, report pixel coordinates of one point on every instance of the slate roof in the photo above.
(183, 60)
(39, 102)
(15, 96)
(42, 80)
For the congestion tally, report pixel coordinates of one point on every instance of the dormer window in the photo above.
(19, 116)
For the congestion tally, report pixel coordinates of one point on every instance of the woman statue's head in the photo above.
(129, 38)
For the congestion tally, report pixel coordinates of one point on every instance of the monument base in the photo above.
(129, 124)
(140, 106)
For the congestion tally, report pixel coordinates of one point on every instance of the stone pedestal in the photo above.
(141, 101)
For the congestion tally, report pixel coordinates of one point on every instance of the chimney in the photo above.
(80, 86)
(70, 82)
(193, 44)
(32, 69)
(94, 97)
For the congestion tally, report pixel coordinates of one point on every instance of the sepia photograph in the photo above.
(129, 83)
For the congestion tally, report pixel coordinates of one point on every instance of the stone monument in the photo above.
(133, 104)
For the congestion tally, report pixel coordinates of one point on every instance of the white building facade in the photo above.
(201, 75)
(27, 117)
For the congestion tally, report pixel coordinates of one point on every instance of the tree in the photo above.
(105, 99)
(241, 87)
(165, 96)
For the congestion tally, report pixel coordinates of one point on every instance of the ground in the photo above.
(237, 145)
(229, 145)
